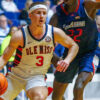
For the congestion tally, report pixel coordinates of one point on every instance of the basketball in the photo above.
(98, 0)
(3, 84)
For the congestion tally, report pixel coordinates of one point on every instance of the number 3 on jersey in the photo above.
(40, 60)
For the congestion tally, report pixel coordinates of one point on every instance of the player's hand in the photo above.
(1, 98)
(62, 66)
(1, 67)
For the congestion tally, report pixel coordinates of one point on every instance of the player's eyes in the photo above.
(38, 13)
(44, 13)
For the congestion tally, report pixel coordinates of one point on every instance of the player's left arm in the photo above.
(91, 7)
(61, 38)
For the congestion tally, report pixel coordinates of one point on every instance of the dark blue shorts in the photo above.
(79, 64)
(89, 63)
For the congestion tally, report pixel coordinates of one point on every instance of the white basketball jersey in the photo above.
(35, 57)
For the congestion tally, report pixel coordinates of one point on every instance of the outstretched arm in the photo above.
(68, 42)
(91, 7)
(16, 40)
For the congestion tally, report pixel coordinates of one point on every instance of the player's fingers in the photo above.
(62, 63)
(1, 68)
(1, 98)
(62, 66)
(65, 68)
(58, 68)
(61, 69)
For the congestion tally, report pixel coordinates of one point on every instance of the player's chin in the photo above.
(40, 24)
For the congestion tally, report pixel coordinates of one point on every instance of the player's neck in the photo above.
(71, 8)
(37, 32)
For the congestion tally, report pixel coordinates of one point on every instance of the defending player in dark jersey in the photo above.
(75, 17)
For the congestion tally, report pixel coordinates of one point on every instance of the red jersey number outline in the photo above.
(76, 36)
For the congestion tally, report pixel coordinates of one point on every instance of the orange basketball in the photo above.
(98, 0)
(3, 84)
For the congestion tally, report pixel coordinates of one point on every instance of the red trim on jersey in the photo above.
(9, 68)
(61, 5)
(20, 49)
(77, 6)
(18, 55)
(17, 61)
(93, 68)
(63, 9)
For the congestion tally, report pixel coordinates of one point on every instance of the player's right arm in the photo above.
(63, 39)
(91, 7)
(16, 40)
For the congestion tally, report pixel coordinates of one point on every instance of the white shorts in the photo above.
(16, 84)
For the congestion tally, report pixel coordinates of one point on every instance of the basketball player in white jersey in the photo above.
(35, 45)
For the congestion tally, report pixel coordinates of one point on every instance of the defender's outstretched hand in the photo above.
(62, 66)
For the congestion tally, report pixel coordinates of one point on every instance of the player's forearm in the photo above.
(8, 52)
(3, 59)
(72, 53)
(2, 62)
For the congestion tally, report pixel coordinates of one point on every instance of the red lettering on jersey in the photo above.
(44, 49)
(35, 49)
(27, 51)
(51, 48)
(41, 49)
(30, 49)
(47, 51)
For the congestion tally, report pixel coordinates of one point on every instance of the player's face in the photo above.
(3, 22)
(38, 17)
(69, 2)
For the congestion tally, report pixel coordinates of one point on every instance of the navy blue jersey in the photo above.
(78, 26)
(97, 51)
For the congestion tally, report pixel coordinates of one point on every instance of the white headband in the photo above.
(37, 7)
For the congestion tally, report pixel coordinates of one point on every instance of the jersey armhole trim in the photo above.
(24, 37)
(53, 35)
